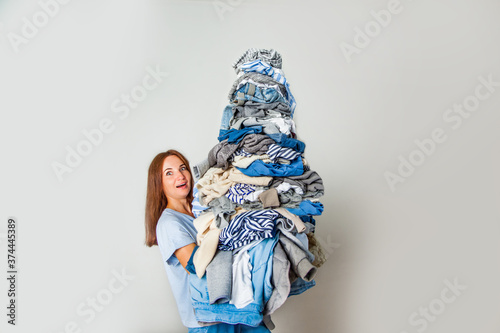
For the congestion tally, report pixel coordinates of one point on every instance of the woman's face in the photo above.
(176, 178)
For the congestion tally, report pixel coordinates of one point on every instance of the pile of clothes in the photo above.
(255, 201)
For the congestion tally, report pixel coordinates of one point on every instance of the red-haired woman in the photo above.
(169, 224)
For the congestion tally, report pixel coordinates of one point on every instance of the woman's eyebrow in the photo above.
(180, 166)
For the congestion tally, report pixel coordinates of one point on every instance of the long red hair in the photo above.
(156, 201)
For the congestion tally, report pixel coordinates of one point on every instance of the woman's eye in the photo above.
(169, 173)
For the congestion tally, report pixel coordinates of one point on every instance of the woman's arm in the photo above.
(184, 253)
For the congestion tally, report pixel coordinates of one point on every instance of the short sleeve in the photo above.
(172, 235)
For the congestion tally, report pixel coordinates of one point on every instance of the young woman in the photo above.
(169, 224)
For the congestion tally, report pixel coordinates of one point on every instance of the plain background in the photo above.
(389, 252)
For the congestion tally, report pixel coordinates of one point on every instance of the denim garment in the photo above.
(259, 168)
(235, 136)
(307, 218)
(262, 95)
(261, 259)
(227, 328)
(227, 114)
(307, 207)
(264, 68)
(299, 286)
(284, 141)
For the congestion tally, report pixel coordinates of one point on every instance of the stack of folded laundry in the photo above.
(255, 198)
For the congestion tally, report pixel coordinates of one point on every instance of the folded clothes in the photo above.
(207, 239)
(309, 181)
(245, 161)
(276, 152)
(307, 207)
(223, 152)
(270, 56)
(300, 264)
(264, 68)
(216, 182)
(279, 279)
(269, 198)
(251, 92)
(236, 135)
(200, 169)
(259, 80)
(259, 168)
(256, 109)
(251, 315)
(239, 192)
(254, 199)
(227, 114)
(197, 208)
(220, 277)
(222, 208)
(247, 227)
(270, 125)
(284, 141)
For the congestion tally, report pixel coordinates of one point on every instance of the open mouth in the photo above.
(182, 185)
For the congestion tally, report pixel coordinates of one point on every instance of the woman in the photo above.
(169, 224)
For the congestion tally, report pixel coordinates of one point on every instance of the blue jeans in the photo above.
(227, 328)
(259, 168)
(261, 257)
(299, 286)
(227, 114)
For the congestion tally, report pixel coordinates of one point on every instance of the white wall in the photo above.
(390, 252)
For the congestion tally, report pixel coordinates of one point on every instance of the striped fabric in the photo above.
(197, 208)
(247, 227)
(276, 151)
(238, 192)
(264, 68)
(270, 56)
(240, 152)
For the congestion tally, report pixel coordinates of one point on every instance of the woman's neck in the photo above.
(180, 206)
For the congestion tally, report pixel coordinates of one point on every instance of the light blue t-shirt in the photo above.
(173, 231)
